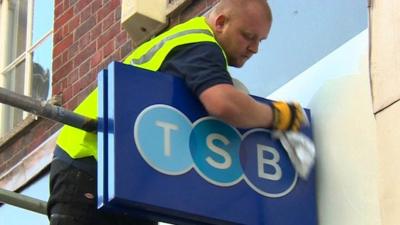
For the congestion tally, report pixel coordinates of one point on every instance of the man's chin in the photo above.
(238, 64)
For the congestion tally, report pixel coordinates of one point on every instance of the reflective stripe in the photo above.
(149, 55)
(79, 144)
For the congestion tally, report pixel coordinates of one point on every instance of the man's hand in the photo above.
(288, 116)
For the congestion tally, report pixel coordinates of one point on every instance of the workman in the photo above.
(198, 51)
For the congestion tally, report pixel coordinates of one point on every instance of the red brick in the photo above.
(89, 87)
(58, 2)
(74, 23)
(96, 58)
(107, 9)
(85, 54)
(75, 90)
(58, 36)
(84, 82)
(115, 3)
(108, 21)
(71, 103)
(63, 45)
(196, 8)
(80, 97)
(57, 63)
(73, 50)
(66, 4)
(35, 138)
(65, 30)
(73, 76)
(56, 88)
(62, 72)
(84, 67)
(120, 39)
(59, 22)
(93, 78)
(84, 40)
(109, 34)
(96, 31)
(58, 10)
(107, 61)
(96, 5)
(81, 5)
(102, 65)
(64, 83)
(108, 49)
(86, 13)
(80, 85)
(67, 94)
(65, 56)
(84, 27)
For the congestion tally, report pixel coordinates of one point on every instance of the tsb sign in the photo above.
(169, 142)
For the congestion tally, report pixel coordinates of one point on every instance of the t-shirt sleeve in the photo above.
(201, 65)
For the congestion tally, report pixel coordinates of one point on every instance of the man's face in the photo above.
(242, 35)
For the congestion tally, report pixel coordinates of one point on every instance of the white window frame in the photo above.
(26, 55)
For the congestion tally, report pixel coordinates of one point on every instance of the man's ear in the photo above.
(220, 23)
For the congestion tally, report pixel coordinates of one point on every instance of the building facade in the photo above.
(55, 49)
(84, 37)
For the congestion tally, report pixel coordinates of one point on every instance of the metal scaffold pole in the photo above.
(23, 201)
(45, 110)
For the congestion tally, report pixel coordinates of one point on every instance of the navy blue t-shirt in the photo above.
(202, 65)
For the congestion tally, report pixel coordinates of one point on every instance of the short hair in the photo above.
(234, 7)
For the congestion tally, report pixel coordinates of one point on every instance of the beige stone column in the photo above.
(385, 81)
(345, 136)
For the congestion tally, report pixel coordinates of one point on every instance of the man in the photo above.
(198, 51)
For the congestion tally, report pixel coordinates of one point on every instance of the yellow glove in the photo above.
(288, 116)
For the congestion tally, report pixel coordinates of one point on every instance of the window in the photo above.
(25, 57)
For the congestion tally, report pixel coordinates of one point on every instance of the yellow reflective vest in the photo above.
(150, 55)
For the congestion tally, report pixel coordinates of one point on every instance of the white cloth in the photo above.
(301, 151)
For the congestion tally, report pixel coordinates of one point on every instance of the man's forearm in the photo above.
(236, 108)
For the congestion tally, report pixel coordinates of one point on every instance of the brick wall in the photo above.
(16, 148)
(87, 37)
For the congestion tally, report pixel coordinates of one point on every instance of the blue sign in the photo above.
(162, 157)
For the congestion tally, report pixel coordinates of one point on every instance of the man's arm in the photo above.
(227, 103)
(203, 67)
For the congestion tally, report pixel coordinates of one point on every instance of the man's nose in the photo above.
(253, 47)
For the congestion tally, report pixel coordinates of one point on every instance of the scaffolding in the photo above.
(45, 110)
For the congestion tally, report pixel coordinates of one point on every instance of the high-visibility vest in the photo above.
(150, 55)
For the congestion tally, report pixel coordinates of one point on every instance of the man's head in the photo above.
(239, 26)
